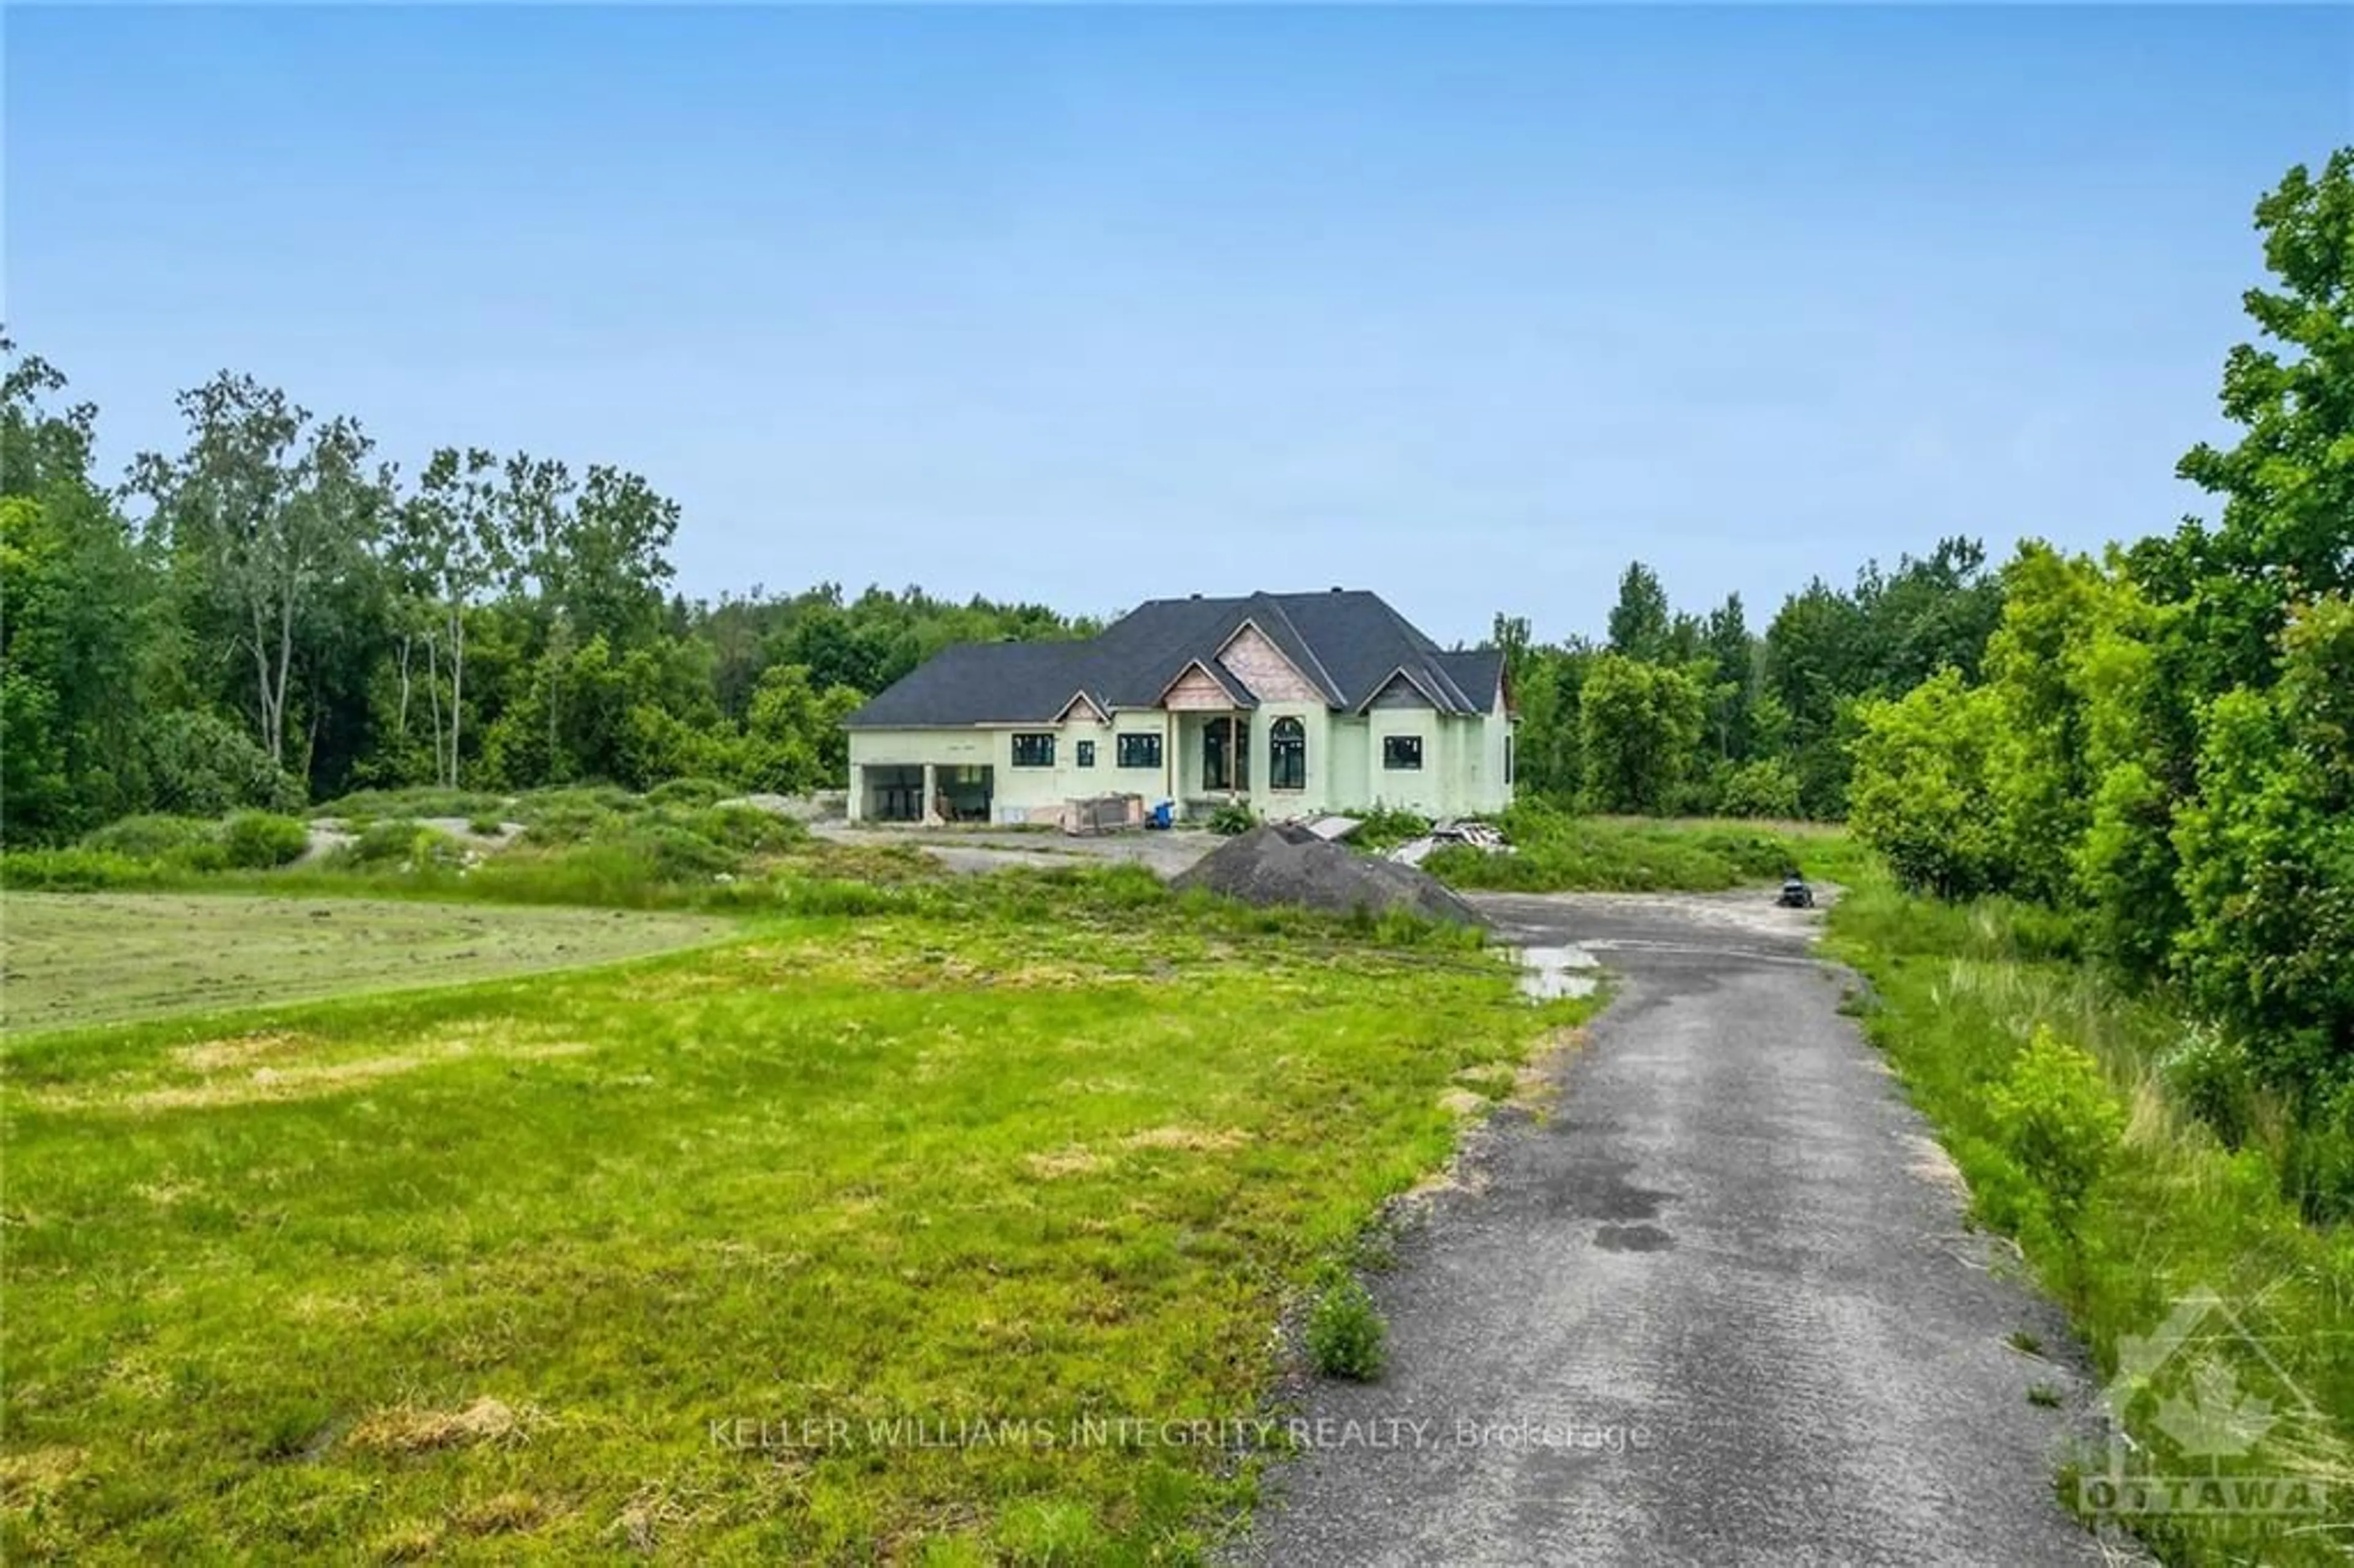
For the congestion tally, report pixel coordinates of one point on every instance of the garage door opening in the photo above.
(893, 794)
(965, 792)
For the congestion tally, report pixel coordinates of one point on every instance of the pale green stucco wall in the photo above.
(1462, 765)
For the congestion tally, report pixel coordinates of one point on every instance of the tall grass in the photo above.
(1554, 850)
(1959, 992)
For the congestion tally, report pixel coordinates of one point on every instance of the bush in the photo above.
(1386, 827)
(151, 837)
(2317, 1164)
(1768, 787)
(1345, 1332)
(671, 853)
(2208, 1076)
(541, 804)
(689, 792)
(1233, 818)
(257, 841)
(407, 845)
(570, 822)
(75, 870)
(203, 765)
(747, 829)
(2059, 1121)
(424, 800)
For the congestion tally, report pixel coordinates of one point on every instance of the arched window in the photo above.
(1286, 755)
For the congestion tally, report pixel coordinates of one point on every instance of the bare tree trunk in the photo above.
(285, 673)
(433, 691)
(261, 681)
(401, 726)
(457, 683)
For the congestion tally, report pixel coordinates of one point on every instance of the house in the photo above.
(1290, 703)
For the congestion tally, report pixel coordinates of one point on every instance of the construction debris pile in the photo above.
(1285, 864)
(1478, 835)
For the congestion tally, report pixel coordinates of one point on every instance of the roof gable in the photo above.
(1339, 648)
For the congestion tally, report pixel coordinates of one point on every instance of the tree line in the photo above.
(278, 612)
(1678, 713)
(2159, 743)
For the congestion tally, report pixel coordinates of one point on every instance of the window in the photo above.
(1402, 751)
(1512, 758)
(1087, 754)
(1034, 751)
(1286, 755)
(1139, 751)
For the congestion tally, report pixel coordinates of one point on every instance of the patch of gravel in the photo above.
(1281, 863)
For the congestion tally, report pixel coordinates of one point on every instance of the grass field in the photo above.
(86, 958)
(563, 1264)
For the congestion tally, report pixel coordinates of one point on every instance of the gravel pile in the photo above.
(1286, 864)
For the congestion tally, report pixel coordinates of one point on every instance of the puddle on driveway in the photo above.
(1549, 973)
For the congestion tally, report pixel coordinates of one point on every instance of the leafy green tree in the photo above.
(77, 622)
(2288, 484)
(2267, 853)
(1639, 621)
(1640, 726)
(263, 511)
(1766, 788)
(1923, 795)
(603, 559)
(2040, 774)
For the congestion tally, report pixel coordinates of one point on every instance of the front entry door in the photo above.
(1225, 754)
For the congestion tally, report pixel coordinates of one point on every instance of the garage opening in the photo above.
(965, 792)
(893, 794)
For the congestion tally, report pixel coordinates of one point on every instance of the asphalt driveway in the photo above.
(1718, 1307)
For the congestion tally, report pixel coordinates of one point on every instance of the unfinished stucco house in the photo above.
(1290, 703)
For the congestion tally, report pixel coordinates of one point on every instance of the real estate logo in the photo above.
(2203, 1395)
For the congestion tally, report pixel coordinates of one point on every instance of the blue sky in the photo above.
(1087, 305)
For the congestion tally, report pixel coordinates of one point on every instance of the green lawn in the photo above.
(86, 958)
(471, 1273)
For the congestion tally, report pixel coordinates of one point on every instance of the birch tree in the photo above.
(264, 510)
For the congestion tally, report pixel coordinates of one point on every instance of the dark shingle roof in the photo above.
(1349, 644)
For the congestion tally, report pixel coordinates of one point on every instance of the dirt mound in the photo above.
(1284, 864)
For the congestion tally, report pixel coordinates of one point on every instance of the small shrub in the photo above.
(401, 842)
(671, 853)
(423, 800)
(1346, 1335)
(2059, 1121)
(151, 837)
(1386, 827)
(2208, 1076)
(2317, 1163)
(1233, 818)
(260, 841)
(75, 870)
(540, 804)
(747, 829)
(689, 792)
(569, 822)
(485, 827)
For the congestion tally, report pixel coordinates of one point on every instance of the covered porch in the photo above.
(1213, 760)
